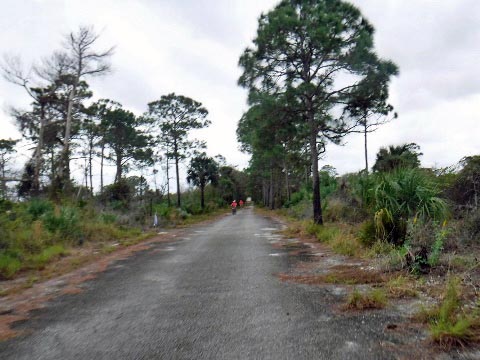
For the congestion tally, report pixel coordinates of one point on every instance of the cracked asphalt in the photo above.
(210, 294)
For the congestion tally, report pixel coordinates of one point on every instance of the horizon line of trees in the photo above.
(63, 124)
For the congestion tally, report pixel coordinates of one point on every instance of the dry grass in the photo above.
(373, 299)
(401, 287)
(340, 275)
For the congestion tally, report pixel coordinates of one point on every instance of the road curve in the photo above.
(210, 294)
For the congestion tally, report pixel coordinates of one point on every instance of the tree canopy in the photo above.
(315, 55)
(202, 170)
(175, 116)
(397, 156)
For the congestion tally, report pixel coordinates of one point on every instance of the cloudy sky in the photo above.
(191, 47)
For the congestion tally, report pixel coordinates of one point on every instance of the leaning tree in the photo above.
(77, 61)
(315, 53)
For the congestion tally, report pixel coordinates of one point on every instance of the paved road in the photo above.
(210, 295)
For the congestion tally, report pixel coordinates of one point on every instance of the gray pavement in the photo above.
(211, 294)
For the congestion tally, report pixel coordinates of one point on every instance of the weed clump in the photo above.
(373, 299)
(9, 265)
(450, 323)
(39, 261)
(401, 287)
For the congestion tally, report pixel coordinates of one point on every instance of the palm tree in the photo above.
(395, 157)
(202, 170)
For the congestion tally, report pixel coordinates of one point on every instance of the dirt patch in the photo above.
(72, 290)
(349, 276)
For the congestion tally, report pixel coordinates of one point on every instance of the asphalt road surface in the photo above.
(211, 294)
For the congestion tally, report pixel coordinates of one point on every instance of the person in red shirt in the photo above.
(241, 203)
(234, 207)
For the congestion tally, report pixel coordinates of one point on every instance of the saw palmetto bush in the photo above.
(401, 195)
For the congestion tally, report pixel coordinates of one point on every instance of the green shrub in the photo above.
(367, 234)
(163, 210)
(402, 195)
(100, 231)
(437, 246)
(311, 228)
(409, 193)
(39, 261)
(9, 265)
(192, 208)
(120, 194)
(301, 210)
(382, 248)
(326, 233)
(108, 218)
(6, 205)
(337, 209)
(297, 197)
(64, 221)
(471, 228)
(345, 244)
(39, 207)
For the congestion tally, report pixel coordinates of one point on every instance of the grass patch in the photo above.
(401, 287)
(100, 231)
(345, 244)
(336, 279)
(325, 233)
(352, 275)
(380, 248)
(450, 323)
(108, 249)
(39, 261)
(373, 299)
(341, 239)
(341, 275)
(9, 266)
(135, 238)
(463, 262)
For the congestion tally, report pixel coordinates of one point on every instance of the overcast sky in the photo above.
(191, 47)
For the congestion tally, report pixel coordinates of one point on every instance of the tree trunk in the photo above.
(118, 175)
(38, 152)
(265, 193)
(102, 156)
(366, 151)
(52, 165)
(63, 172)
(317, 201)
(177, 174)
(86, 174)
(168, 185)
(287, 183)
(90, 155)
(272, 194)
(3, 187)
(202, 196)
